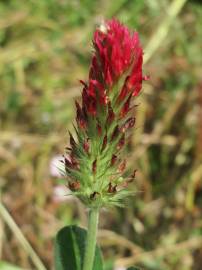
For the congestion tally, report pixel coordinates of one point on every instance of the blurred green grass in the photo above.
(45, 48)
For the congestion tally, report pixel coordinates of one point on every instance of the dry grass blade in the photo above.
(21, 238)
(109, 238)
(12, 19)
(194, 179)
(191, 243)
(162, 31)
(1, 232)
(160, 127)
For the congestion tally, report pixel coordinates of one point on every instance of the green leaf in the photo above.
(70, 247)
(8, 266)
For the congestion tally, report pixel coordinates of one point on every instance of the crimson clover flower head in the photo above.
(94, 162)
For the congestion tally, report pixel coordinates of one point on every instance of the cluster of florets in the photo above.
(93, 162)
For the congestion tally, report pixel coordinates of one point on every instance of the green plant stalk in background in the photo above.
(91, 239)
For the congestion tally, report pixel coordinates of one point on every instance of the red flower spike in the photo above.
(115, 78)
(115, 47)
(117, 50)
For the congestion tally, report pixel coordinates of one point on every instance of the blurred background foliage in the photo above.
(45, 48)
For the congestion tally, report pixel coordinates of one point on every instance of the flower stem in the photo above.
(91, 239)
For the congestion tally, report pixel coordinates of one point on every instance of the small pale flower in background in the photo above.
(55, 166)
(62, 194)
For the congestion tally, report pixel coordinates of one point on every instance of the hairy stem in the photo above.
(91, 239)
